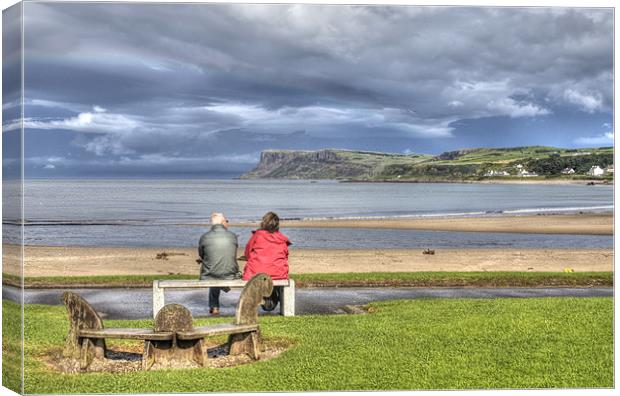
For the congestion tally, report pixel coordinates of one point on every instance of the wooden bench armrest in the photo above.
(127, 333)
(215, 330)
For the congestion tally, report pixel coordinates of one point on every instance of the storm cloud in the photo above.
(205, 87)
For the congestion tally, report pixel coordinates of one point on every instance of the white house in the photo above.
(568, 171)
(524, 173)
(596, 171)
(493, 173)
(609, 169)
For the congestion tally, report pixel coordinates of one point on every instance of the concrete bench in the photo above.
(174, 341)
(287, 297)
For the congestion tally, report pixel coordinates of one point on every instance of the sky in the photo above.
(198, 90)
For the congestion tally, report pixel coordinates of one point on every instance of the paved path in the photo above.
(137, 303)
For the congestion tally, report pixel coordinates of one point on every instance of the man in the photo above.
(218, 250)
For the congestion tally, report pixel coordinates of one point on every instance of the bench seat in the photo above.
(198, 284)
(215, 330)
(127, 333)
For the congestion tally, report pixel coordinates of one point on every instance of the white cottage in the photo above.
(524, 173)
(596, 171)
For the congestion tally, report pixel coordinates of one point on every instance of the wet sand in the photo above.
(87, 261)
(584, 224)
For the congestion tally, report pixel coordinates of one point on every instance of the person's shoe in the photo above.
(270, 303)
(214, 311)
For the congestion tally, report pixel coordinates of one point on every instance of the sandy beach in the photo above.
(584, 224)
(80, 261)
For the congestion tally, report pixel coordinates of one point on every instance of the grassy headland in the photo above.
(468, 165)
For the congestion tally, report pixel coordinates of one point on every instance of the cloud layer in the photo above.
(176, 84)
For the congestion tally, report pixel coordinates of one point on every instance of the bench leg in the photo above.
(148, 357)
(158, 298)
(287, 299)
(170, 354)
(241, 343)
(90, 349)
(200, 356)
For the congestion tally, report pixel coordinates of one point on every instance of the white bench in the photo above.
(287, 297)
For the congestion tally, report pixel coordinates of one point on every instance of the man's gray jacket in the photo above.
(218, 251)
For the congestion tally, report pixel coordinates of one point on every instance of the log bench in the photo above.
(173, 341)
(287, 297)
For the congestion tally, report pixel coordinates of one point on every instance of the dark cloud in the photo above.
(137, 84)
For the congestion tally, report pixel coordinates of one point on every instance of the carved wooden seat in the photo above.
(173, 342)
(243, 334)
(86, 338)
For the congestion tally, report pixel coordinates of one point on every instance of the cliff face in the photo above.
(322, 164)
(272, 159)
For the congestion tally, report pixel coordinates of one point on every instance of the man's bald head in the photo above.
(218, 218)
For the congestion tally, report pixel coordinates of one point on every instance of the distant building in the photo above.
(494, 173)
(596, 171)
(609, 169)
(568, 171)
(519, 166)
(524, 173)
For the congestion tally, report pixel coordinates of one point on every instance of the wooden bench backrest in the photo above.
(174, 317)
(252, 296)
(81, 316)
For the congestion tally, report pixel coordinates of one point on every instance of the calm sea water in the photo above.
(168, 212)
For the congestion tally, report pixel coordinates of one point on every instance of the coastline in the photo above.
(483, 181)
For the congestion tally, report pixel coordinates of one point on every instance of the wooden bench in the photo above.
(287, 297)
(174, 341)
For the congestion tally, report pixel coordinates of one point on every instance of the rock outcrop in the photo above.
(321, 164)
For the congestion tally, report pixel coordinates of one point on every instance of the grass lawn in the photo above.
(412, 344)
(410, 279)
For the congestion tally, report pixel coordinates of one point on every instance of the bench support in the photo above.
(247, 343)
(158, 298)
(91, 348)
(287, 299)
(173, 354)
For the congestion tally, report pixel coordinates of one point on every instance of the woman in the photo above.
(267, 252)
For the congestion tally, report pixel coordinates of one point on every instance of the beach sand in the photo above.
(76, 261)
(584, 224)
(82, 261)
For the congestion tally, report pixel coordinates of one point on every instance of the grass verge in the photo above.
(361, 279)
(11, 346)
(404, 345)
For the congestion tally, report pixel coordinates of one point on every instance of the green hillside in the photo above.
(463, 165)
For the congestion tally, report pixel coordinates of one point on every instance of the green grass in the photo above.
(11, 346)
(482, 155)
(411, 279)
(473, 279)
(414, 344)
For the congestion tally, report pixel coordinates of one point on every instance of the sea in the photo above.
(174, 213)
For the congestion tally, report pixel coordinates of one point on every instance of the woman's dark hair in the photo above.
(270, 222)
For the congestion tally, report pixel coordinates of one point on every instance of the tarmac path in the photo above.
(137, 303)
